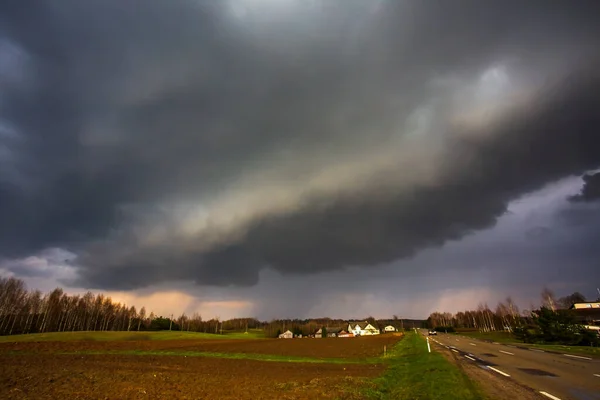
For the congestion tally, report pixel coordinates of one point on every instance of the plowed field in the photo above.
(319, 348)
(44, 371)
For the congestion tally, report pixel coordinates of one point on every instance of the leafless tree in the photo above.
(548, 299)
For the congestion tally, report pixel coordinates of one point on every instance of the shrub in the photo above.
(559, 326)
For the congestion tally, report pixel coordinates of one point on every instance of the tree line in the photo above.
(551, 322)
(25, 311)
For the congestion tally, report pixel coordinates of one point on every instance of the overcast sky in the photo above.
(301, 158)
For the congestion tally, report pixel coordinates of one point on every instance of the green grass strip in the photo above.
(415, 374)
(236, 356)
(583, 350)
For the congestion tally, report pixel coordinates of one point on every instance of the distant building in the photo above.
(286, 335)
(344, 333)
(362, 329)
(587, 313)
(331, 332)
(579, 306)
(390, 328)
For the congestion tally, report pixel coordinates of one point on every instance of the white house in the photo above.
(362, 329)
(389, 328)
(286, 335)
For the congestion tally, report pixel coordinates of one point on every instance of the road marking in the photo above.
(539, 351)
(471, 358)
(598, 375)
(498, 371)
(457, 340)
(456, 351)
(495, 343)
(550, 396)
(506, 352)
(472, 344)
(583, 358)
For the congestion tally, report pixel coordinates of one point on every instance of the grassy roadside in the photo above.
(125, 336)
(413, 373)
(507, 338)
(583, 350)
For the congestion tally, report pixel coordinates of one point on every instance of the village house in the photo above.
(587, 314)
(286, 335)
(331, 332)
(390, 328)
(362, 329)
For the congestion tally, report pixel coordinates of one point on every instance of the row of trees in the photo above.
(24, 311)
(504, 317)
(552, 321)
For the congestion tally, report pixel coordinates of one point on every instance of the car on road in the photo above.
(432, 333)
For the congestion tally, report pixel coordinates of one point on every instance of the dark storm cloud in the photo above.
(591, 188)
(261, 113)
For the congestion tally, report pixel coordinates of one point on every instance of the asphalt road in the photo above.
(554, 375)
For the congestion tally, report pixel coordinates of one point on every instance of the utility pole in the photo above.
(171, 322)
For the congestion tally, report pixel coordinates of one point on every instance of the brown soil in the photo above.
(37, 373)
(318, 348)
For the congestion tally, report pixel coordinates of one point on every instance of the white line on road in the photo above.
(457, 340)
(583, 358)
(470, 358)
(539, 351)
(498, 371)
(598, 375)
(550, 396)
(495, 343)
(472, 344)
(506, 352)
(456, 351)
